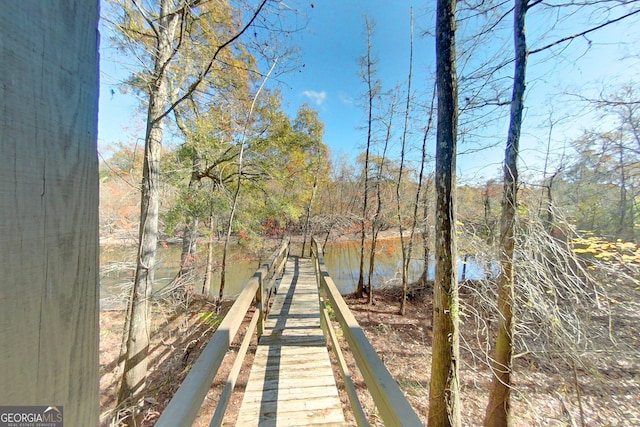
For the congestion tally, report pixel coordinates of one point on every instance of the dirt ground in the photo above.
(607, 394)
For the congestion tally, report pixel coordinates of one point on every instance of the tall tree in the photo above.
(377, 219)
(499, 395)
(368, 72)
(162, 29)
(422, 197)
(236, 195)
(444, 399)
(403, 149)
(138, 328)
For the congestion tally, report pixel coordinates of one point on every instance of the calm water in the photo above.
(118, 267)
(341, 258)
(343, 262)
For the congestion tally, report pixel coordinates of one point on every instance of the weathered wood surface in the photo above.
(291, 380)
(49, 207)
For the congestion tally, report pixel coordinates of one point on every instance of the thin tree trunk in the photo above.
(405, 250)
(623, 204)
(376, 222)
(550, 219)
(486, 202)
(190, 233)
(188, 255)
(308, 217)
(208, 272)
(444, 399)
(138, 328)
(370, 95)
(239, 184)
(498, 407)
(425, 235)
(372, 261)
(422, 189)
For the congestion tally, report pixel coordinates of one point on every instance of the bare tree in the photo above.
(377, 220)
(498, 406)
(368, 71)
(421, 200)
(403, 150)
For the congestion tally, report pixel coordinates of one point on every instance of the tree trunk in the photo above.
(308, 218)
(623, 228)
(406, 252)
(499, 396)
(423, 189)
(488, 221)
(189, 246)
(190, 233)
(236, 195)
(425, 235)
(208, 272)
(376, 221)
(444, 399)
(138, 328)
(370, 96)
(372, 263)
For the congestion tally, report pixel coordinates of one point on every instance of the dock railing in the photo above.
(185, 404)
(392, 405)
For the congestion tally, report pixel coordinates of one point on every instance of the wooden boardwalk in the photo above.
(291, 381)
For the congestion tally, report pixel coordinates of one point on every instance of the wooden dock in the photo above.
(291, 380)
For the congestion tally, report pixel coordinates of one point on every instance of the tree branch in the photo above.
(590, 30)
(207, 69)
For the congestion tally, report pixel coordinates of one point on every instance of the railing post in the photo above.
(260, 305)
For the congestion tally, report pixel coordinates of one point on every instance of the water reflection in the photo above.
(118, 267)
(342, 259)
(343, 263)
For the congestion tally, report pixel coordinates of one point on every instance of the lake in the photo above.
(342, 259)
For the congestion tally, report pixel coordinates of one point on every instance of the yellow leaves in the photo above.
(627, 246)
(633, 258)
(584, 251)
(617, 252)
(604, 255)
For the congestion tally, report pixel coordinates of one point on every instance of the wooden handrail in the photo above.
(185, 404)
(356, 406)
(225, 396)
(393, 406)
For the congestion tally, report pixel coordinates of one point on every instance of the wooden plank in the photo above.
(291, 380)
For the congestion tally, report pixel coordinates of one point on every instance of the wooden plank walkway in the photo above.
(291, 381)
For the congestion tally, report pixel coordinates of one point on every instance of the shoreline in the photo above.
(107, 241)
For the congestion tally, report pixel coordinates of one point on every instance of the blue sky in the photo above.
(334, 40)
(333, 44)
